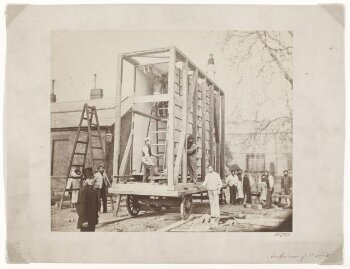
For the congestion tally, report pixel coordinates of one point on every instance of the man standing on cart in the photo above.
(192, 158)
(147, 160)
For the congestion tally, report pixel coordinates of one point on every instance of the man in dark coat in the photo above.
(286, 186)
(192, 158)
(246, 188)
(87, 207)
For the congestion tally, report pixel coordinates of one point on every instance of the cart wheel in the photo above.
(132, 205)
(186, 207)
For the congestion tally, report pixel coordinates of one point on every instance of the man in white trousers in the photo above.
(213, 183)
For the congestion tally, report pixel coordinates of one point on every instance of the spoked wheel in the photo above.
(132, 205)
(186, 207)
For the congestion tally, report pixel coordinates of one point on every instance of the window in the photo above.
(255, 162)
(59, 157)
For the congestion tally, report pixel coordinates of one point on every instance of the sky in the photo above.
(77, 55)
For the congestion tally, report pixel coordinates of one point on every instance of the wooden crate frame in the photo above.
(209, 89)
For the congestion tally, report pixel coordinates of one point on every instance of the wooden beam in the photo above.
(148, 52)
(201, 73)
(117, 121)
(222, 142)
(217, 131)
(211, 125)
(131, 60)
(151, 98)
(148, 115)
(204, 100)
(184, 125)
(185, 112)
(194, 115)
(126, 154)
(170, 125)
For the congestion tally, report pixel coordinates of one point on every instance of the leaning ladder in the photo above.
(89, 114)
(159, 143)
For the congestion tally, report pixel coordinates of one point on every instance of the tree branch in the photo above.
(277, 61)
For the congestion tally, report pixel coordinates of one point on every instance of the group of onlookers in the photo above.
(243, 188)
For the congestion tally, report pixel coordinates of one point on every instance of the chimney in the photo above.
(211, 67)
(96, 93)
(53, 95)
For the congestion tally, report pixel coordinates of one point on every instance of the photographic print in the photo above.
(171, 131)
(160, 128)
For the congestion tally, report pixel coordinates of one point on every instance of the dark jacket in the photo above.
(286, 184)
(87, 206)
(246, 183)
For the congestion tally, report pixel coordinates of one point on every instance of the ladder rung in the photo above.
(158, 132)
(158, 144)
(82, 142)
(95, 124)
(80, 165)
(79, 153)
(98, 159)
(163, 108)
(161, 156)
(85, 118)
(95, 135)
(97, 147)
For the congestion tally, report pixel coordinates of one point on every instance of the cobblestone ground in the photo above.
(148, 221)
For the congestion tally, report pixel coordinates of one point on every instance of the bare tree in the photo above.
(260, 59)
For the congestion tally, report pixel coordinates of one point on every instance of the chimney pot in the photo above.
(53, 95)
(96, 93)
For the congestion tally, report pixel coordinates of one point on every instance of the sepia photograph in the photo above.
(171, 131)
(175, 134)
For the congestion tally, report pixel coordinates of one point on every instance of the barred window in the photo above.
(255, 162)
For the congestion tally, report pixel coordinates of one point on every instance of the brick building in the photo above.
(65, 118)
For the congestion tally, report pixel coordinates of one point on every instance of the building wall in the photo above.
(275, 153)
(62, 142)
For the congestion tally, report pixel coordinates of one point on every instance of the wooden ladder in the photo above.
(159, 143)
(89, 114)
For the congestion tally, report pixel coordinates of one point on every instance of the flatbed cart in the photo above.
(154, 196)
(188, 102)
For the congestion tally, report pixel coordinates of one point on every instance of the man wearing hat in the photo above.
(147, 160)
(246, 187)
(101, 185)
(192, 158)
(286, 186)
(87, 207)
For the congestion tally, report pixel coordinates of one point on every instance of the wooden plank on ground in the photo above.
(174, 225)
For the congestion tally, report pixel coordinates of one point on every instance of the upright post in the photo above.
(204, 120)
(117, 121)
(211, 125)
(170, 128)
(185, 120)
(222, 140)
